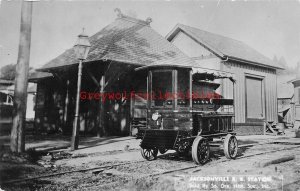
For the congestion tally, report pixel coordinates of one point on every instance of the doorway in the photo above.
(255, 101)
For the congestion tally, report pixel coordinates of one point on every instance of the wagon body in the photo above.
(205, 125)
(176, 121)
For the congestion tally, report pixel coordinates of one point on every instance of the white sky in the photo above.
(271, 27)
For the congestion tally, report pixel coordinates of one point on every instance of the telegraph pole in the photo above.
(17, 140)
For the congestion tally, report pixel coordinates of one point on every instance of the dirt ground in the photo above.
(165, 173)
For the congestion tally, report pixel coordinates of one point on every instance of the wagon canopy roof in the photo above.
(205, 73)
(213, 74)
(224, 47)
(126, 40)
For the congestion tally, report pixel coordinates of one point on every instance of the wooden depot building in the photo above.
(128, 43)
(255, 75)
(116, 50)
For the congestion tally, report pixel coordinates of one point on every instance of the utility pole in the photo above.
(17, 140)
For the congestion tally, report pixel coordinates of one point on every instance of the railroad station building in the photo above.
(115, 52)
(255, 88)
(128, 43)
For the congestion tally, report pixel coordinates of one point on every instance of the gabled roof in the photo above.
(224, 47)
(126, 40)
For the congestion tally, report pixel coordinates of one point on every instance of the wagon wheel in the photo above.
(162, 150)
(200, 150)
(230, 146)
(149, 154)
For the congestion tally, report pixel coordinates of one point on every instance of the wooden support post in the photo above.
(75, 136)
(67, 100)
(191, 89)
(101, 129)
(131, 115)
(17, 141)
(93, 77)
(175, 88)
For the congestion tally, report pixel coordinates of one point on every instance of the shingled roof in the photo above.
(224, 47)
(126, 40)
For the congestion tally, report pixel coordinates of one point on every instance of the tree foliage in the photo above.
(287, 69)
(8, 72)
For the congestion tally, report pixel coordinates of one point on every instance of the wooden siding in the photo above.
(211, 63)
(270, 93)
(240, 70)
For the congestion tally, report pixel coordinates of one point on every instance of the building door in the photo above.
(254, 99)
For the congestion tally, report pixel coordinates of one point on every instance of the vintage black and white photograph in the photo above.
(150, 95)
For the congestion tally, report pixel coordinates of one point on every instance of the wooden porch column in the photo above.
(101, 129)
(67, 99)
(75, 137)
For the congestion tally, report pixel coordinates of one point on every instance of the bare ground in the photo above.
(139, 174)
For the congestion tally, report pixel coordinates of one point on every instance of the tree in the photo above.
(282, 62)
(8, 72)
(298, 69)
(288, 70)
(275, 59)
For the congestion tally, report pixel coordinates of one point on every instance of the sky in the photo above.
(270, 27)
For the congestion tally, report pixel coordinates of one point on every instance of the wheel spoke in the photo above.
(152, 152)
(202, 151)
(232, 146)
(147, 153)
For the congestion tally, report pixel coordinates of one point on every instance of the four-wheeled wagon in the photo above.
(186, 110)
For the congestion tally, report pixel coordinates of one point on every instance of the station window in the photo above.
(162, 89)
